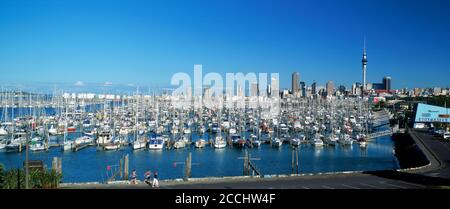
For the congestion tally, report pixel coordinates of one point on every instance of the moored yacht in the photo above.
(156, 143)
(200, 143)
(219, 142)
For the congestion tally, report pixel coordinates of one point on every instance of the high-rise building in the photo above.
(387, 83)
(239, 91)
(302, 89)
(313, 88)
(329, 88)
(342, 89)
(275, 88)
(295, 83)
(364, 65)
(254, 89)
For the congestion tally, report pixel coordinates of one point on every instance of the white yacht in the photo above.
(52, 130)
(219, 142)
(114, 145)
(200, 143)
(295, 142)
(317, 142)
(67, 145)
(276, 142)
(331, 139)
(179, 144)
(140, 143)
(3, 131)
(36, 147)
(156, 143)
(345, 139)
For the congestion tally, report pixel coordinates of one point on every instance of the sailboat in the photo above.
(3, 131)
(200, 143)
(140, 142)
(219, 142)
(179, 144)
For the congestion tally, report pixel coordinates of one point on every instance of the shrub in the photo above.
(47, 179)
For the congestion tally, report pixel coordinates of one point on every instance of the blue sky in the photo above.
(146, 42)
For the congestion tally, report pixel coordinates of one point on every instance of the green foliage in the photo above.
(432, 100)
(2, 175)
(47, 179)
(12, 181)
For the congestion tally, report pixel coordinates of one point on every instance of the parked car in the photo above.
(446, 135)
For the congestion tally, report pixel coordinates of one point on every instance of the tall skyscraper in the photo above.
(387, 83)
(302, 89)
(275, 88)
(342, 89)
(364, 65)
(254, 89)
(313, 88)
(330, 87)
(295, 83)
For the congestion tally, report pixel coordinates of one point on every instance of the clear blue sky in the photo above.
(145, 42)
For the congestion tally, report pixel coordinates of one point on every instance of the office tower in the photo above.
(342, 89)
(313, 88)
(387, 83)
(254, 90)
(329, 88)
(295, 83)
(275, 88)
(302, 89)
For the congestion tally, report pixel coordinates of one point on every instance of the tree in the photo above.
(2, 175)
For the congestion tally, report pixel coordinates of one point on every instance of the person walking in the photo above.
(148, 176)
(133, 177)
(155, 179)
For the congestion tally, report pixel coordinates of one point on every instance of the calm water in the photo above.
(90, 164)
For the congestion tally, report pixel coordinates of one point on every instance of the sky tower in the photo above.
(364, 65)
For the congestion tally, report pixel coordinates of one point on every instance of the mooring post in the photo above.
(55, 163)
(249, 163)
(188, 166)
(126, 167)
(121, 168)
(245, 163)
(59, 165)
(293, 155)
(297, 158)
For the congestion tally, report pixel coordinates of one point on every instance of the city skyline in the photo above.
(128, 42)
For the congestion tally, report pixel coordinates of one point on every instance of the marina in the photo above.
(91, 136)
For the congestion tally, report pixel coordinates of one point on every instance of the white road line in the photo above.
(327, 187)
(351, 187)
(364, 184)
(382, 182)
(416, 185)
(305, 187)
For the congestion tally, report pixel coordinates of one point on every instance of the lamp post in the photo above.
(27, 172)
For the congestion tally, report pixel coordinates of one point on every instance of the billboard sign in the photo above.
(431, 113)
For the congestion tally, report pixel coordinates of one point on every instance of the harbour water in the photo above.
(89, 165)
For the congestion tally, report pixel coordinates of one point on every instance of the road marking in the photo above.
(327, 187)
(382, 182)
(305, 187)
(416, 185)
(351, 187)
(369, 185)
